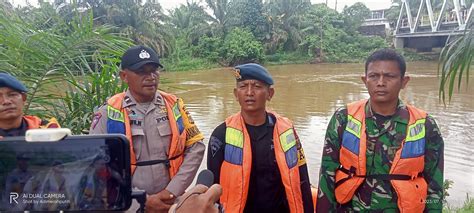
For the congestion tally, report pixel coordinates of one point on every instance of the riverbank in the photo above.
(281, 58)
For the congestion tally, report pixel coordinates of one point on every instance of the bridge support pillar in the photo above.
(399, 43)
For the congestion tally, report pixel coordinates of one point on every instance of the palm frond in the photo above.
(68, 65)
(455, 62)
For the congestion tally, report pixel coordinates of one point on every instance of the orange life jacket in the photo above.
(314, 196)
(407, 165)
(235, 170)
(36, 123)
(119, 122)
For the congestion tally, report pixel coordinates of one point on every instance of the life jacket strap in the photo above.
(352, 173)
(153, 162)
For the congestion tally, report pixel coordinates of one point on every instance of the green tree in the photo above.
(285, 17)
(355, 15)
(68, 66)
(220, 16)
(210, 48)
(240, 46)
(327, 39)
(190, 21)
(317, 23)
(249, 14)
(141, 21)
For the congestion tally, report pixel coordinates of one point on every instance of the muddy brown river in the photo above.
(309, 94)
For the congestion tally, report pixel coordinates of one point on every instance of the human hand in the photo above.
(200, 199)
(160, 202)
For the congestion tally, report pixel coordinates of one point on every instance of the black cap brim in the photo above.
(142, 63)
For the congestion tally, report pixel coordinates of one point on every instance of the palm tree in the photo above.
(149, 27)
(141, 21)
(220, 9)
(190, 21)
(67, 65)
(250, 14)
(285, 17)
(455, 61)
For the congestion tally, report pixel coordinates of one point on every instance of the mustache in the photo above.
(7, 108)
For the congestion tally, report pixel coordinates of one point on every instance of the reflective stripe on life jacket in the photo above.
(118, 122)
(237, 164)
(406, 168)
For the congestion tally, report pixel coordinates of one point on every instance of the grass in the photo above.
(467, 207)
(279, 58)
(188, 64)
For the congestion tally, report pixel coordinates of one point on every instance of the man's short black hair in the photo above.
(387, 54)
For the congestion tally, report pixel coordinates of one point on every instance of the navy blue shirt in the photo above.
(20, 131)
(266, 192)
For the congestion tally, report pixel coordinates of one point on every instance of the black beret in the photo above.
(7, 80)
(253, 71)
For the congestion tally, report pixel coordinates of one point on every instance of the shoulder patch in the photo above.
(96, 119)
(97, 108)
(299, 147)
(127, 100)
(215, 144)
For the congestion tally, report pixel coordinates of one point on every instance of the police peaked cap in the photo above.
(253, 71)
(7, 80)
(137, 56)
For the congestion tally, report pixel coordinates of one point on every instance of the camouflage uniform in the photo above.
(384, 137)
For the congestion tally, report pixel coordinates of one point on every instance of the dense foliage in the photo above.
(68, 64)
(82, 40)
(202, 34)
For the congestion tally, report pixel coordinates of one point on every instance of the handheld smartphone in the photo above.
(77, 173)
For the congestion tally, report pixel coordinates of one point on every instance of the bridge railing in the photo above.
(440, 20)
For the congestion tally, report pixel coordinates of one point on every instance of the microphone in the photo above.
(206, 178)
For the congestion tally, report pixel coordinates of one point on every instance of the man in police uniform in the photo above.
(12, 100)
(166, 145)
(256, 155)
(381, 155)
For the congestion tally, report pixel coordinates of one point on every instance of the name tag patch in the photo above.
(136, 122)
(161, 119)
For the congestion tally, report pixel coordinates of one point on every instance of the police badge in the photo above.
(237, 73)
(144, 54)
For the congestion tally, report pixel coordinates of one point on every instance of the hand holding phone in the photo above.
(76, 173)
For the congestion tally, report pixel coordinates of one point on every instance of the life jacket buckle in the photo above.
(352, 171)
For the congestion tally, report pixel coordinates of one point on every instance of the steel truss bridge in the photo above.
(431, 28)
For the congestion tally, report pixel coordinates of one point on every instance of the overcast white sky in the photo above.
(170, 4)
